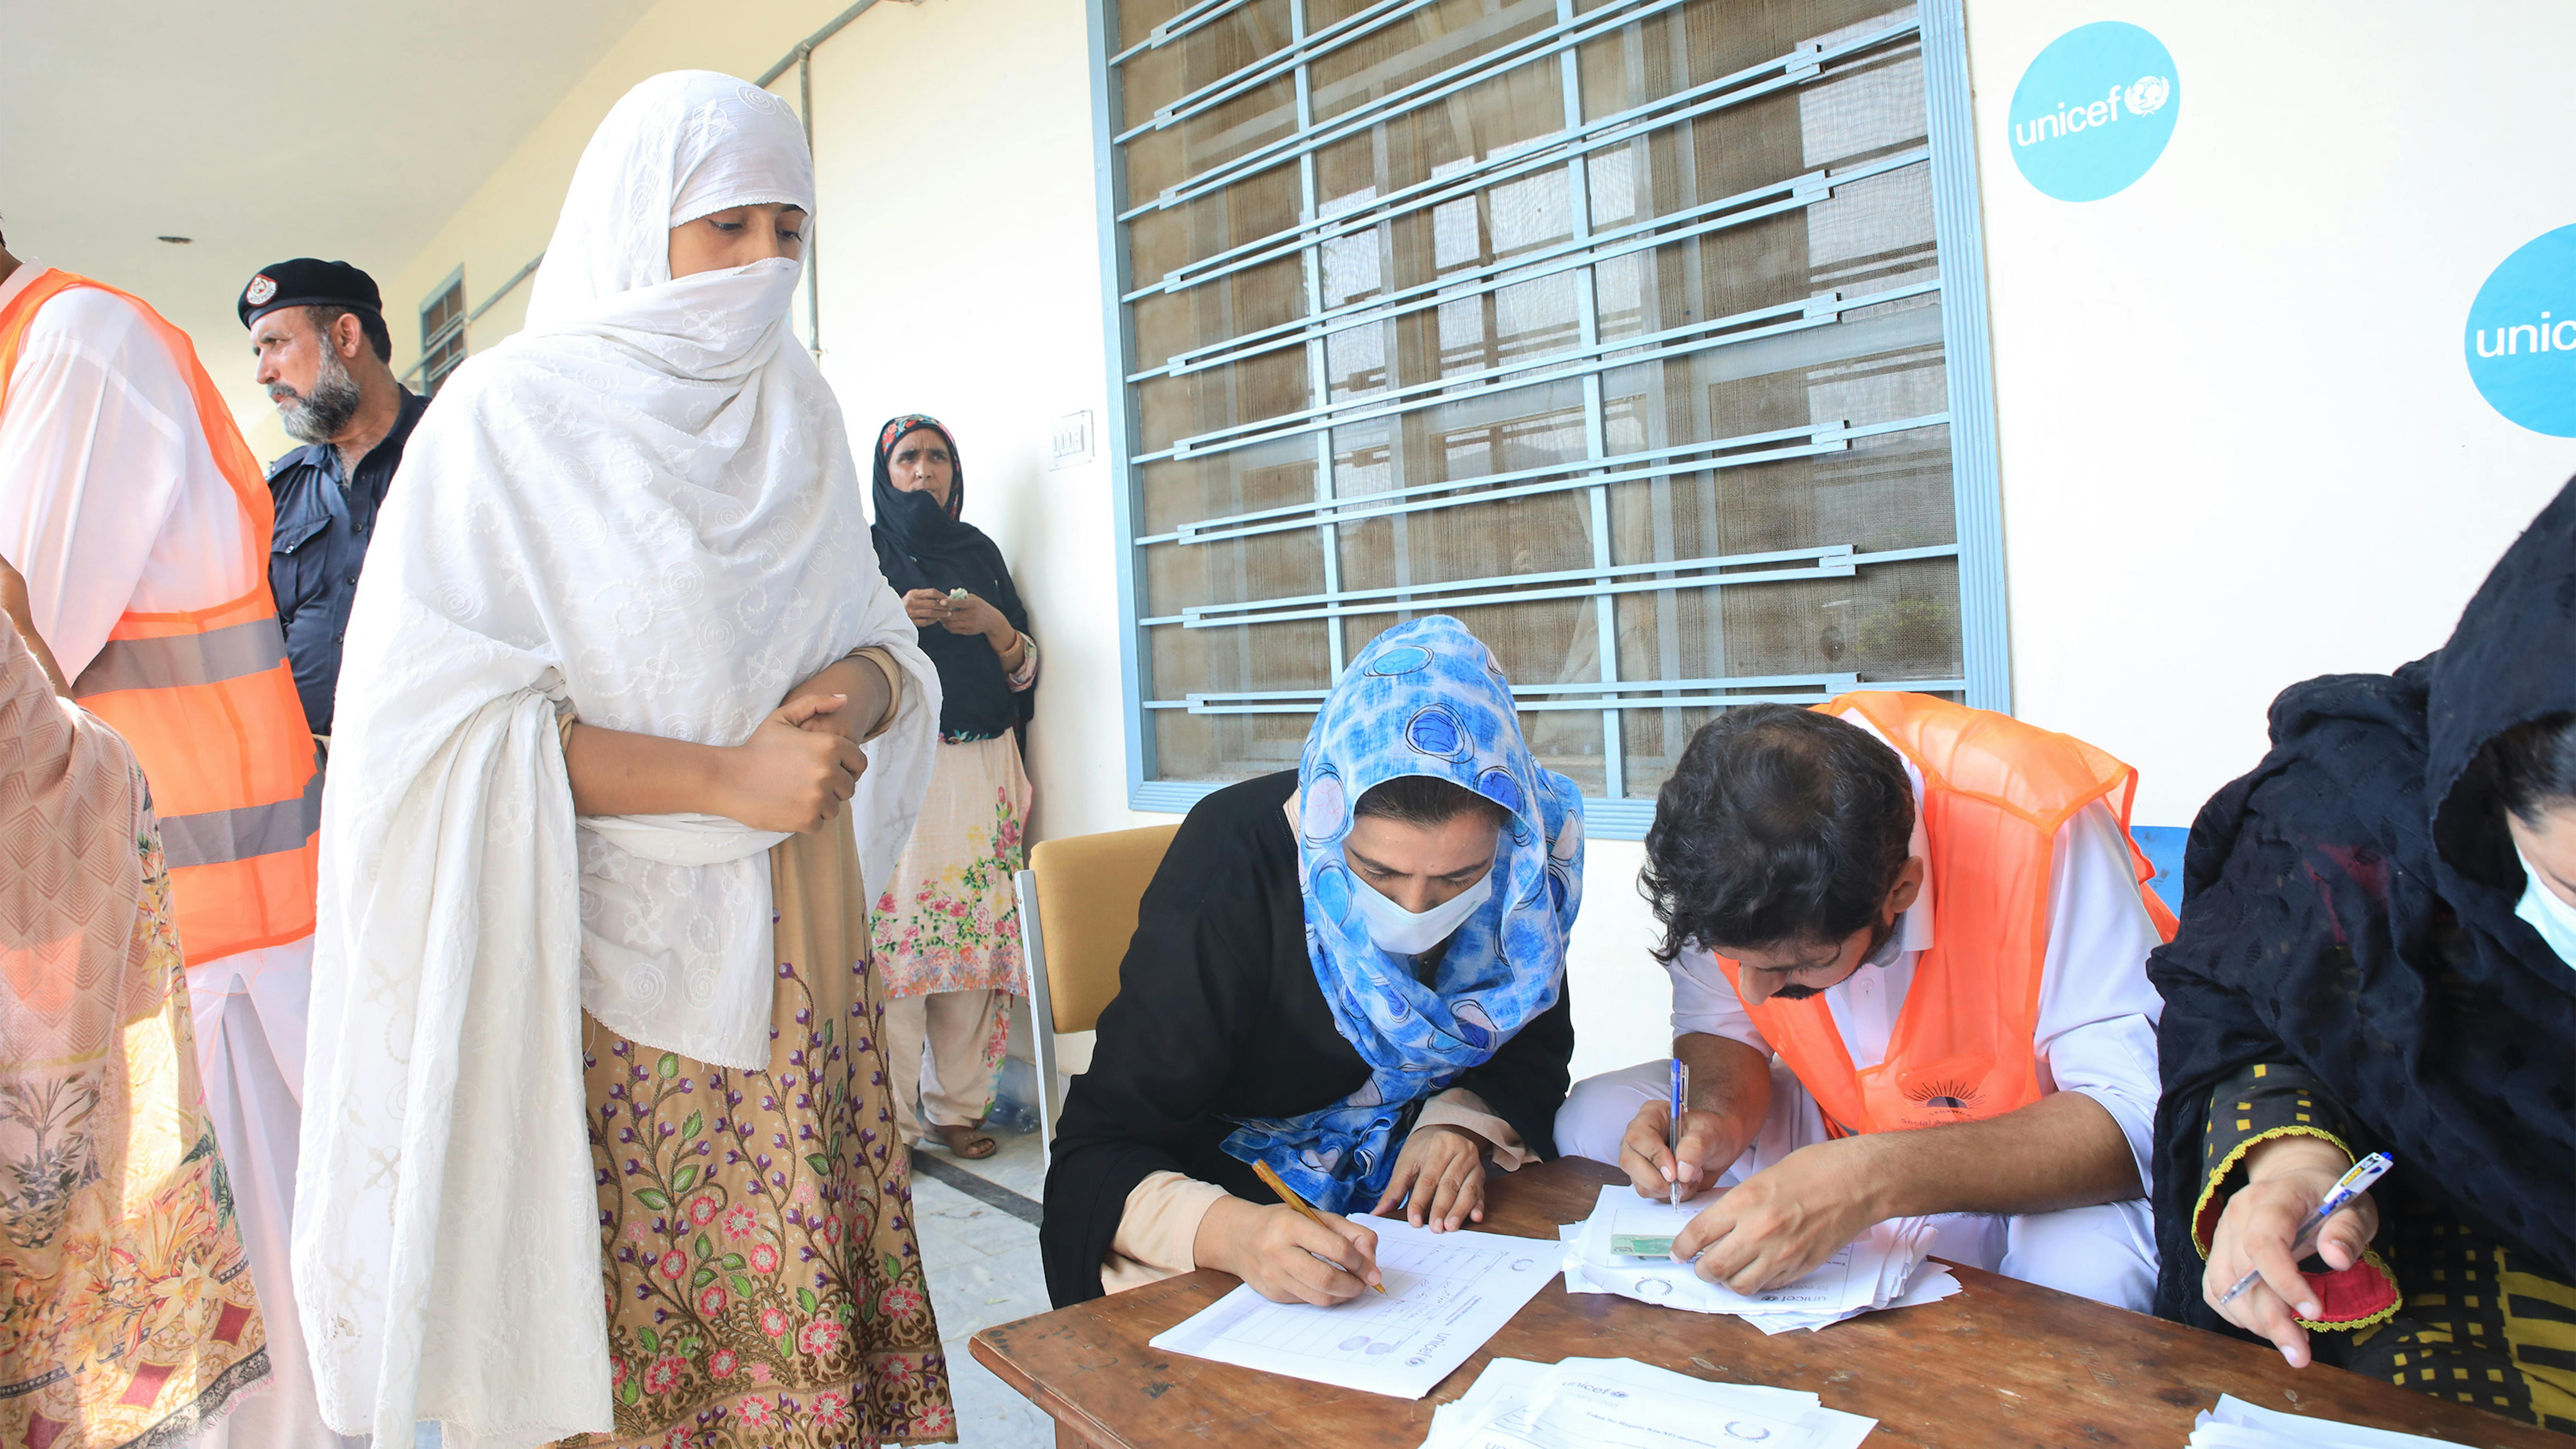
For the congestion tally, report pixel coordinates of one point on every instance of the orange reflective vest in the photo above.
(208, 702)
(1995, 791)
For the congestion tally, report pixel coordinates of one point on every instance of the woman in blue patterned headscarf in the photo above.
(1353, 972)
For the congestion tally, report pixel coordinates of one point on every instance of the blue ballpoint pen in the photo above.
(1673, 1130)
(2351, 1185)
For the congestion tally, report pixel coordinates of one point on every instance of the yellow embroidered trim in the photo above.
(2219, 1173)
(2396, 1300)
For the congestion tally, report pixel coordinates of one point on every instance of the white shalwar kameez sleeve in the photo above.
(110, 501)
(2095, 1034)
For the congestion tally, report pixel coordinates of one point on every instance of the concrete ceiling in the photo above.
(348, 130)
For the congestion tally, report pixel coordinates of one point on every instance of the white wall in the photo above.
(2239, 445)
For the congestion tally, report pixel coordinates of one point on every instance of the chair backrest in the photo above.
(1088, 887)
(2162, 845)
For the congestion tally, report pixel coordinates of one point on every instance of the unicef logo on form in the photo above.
(2094, 111)
(2521, 342)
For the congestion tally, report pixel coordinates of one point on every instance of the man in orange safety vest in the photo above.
(140, 522)
(1935, 917)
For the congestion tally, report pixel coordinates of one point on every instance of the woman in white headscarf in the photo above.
(592, 990)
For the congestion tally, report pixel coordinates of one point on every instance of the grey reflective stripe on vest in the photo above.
(251, 647)
(216, 836)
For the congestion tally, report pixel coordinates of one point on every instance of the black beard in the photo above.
(319, 416)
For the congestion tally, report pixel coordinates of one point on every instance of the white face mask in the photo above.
(1409, 933)
(2553, 918)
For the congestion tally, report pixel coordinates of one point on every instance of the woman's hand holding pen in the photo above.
(2285, 1179)
(1439, 1178)
(1286, 1258)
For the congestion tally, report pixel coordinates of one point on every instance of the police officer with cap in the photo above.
(318, 331)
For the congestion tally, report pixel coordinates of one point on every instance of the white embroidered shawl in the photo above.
(646, 505)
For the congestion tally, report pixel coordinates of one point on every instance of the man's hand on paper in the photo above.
(1439, 1178)
(2284, 1181)
(1783, 1222)
(1710, 1141)
(1285, 1258)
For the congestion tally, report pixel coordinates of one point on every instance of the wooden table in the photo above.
(2003, 1363)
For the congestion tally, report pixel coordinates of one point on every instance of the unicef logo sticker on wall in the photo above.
(2521, 340)
(2094, 111)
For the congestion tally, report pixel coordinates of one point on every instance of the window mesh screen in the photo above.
(1612, 327)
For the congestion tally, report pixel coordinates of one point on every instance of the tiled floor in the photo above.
(983, 1266)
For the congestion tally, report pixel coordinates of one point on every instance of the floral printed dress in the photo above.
(949, 920)
(764, 1287)
(127, 1316)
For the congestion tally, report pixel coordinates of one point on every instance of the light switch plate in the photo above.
(1072, 441)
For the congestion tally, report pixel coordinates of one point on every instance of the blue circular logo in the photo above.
(2094, 111)
(2521, 342)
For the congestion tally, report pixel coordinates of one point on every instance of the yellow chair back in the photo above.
(1088, 887)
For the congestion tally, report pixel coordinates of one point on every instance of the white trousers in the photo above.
(948, 1033)
(248, 1014)
(2106, 1253)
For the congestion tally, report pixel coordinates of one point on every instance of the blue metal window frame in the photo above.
(1976, 482)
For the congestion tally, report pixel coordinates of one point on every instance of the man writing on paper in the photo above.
(1933, 915)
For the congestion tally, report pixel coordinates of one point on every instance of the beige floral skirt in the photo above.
(126, 1310)
(765, 1290)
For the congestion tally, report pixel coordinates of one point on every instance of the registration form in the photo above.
(1446, 1293)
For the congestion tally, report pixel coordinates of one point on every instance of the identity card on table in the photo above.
(1446, 1293)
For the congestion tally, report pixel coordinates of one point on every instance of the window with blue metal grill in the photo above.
(1629, 332)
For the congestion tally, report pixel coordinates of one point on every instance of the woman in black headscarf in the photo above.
(2376, 956)
(947, 928)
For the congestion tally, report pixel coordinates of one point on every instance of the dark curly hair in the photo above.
(1781, 824)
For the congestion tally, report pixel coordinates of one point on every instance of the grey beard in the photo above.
(319, 416)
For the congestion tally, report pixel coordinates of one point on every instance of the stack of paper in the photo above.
(1625, 1248)
(1619, 1403)
(1446, 1293)
(2236, 1424)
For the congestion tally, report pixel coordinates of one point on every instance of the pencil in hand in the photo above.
(1304, 1209)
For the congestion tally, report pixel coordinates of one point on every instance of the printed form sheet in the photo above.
(1446, 1293)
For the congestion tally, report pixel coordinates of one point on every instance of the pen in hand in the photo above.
(1288, 1195)
(2351, 1185)
(1673, 1130)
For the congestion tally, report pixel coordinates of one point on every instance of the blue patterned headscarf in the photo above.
(1424, 698)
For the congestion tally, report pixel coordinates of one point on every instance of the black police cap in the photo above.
(308, 282)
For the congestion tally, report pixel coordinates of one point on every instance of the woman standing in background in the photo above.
(947, 928)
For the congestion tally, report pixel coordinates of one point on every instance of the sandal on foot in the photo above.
(967, 1143)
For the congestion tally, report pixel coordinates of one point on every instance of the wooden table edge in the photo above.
(1072, 1425)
